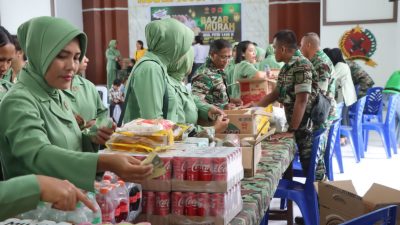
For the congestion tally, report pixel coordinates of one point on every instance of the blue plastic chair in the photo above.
(337, 149)
(373, 105)
(386, 130)
(304, 195)
(385, 216)
(354, 132)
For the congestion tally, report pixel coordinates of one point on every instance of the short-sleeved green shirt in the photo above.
(242, 70)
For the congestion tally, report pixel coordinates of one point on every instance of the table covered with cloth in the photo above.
(258, 191)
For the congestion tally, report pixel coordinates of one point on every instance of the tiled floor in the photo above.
(374, 168)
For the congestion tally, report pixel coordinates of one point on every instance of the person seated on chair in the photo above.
(116, 96)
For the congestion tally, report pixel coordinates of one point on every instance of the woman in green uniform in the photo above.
(245, 66)
(152, 93)
(7, 52)
(112, 55)
(40, 135)
(270, 60)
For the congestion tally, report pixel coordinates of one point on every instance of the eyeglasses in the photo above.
(224, 57)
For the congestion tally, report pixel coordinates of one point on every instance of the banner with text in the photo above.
(221, 21)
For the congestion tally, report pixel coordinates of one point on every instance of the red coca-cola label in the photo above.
(148, 202)
(193, 168)
(205, 169)
(167, 165)
(191, 204)
(178, 203)
(203, 204)
(217, 204)
(162, 203)
(219, 169)
(179, 168)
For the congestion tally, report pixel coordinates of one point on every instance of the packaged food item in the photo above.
(143, 136)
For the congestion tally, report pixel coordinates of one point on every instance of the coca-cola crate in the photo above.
(207, 208)
(207, 169)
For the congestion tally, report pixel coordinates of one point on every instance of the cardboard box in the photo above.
(253, 90)
(251, 155)
(340, 202)
(241, 122)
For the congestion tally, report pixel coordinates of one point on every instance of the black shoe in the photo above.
(299, 220)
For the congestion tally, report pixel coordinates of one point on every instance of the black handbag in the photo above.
(321, 109)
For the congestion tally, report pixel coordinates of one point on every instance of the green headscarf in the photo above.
(270, 50)
(42, 39)
(112, 48)
(169, 39)
(181, 68)
(260, 54)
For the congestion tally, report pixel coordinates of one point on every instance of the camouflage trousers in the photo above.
(304, 139)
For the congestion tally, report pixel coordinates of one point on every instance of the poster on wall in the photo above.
(221, 21)
(359, 43)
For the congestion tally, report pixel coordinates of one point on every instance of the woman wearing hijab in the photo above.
(270, 60)
(41, 136)
(7, 52)
(112, 55)
(345, 91)
(245, 66)
(154, 93)
(85, 102)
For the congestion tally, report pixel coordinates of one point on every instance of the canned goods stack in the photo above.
(205, 186)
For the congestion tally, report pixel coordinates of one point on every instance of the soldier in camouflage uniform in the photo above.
(360, 77)
(209, 82)
(323, 66)
(296, 90)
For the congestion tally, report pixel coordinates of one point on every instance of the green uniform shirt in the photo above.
(5, 86)
(209, 84)
(360, 77)
(168, 41)
(85, 100)
(242, 70)
(8, 75)
(40, 135)
(296, 77)
(18, 195)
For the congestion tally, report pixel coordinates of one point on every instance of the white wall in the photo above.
(70, 10)
(14, 13)
(254, 17)
(387, 54)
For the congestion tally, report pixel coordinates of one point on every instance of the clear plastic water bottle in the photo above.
(106, 205)
(267, 70)
(96, 216)
(78, 215)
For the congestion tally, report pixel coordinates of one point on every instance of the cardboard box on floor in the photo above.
(339, 201)
(253, 90)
